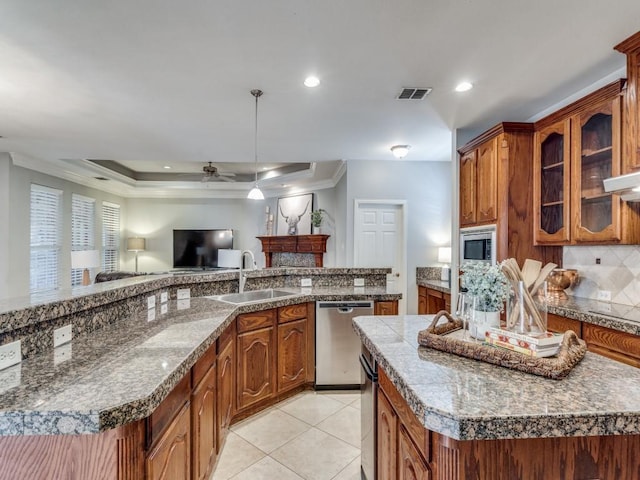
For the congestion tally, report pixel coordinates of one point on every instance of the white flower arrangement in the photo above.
(487, 283)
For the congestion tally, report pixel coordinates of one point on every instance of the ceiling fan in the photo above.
(211, 171)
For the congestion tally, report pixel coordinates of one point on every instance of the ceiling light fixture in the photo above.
(256, 193)
(311, 81)
(167, 167)
(464, 87)
(400, 151)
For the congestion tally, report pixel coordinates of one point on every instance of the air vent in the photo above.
(415, 93)
(101, 178)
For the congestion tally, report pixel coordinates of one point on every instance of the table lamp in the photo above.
(136, 244)
(444, 256)
(85, 259)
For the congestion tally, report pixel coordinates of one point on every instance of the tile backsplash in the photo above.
(618, 271)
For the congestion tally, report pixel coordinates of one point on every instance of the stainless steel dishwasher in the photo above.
(337, 345)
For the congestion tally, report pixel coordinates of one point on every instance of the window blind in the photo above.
(46, 220)
(82, 230)
(110, 237)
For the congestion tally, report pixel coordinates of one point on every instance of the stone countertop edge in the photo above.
(27, 420)
(29, 310)
(579, 418)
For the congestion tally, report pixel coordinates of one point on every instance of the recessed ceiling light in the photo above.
(167, 167)
(311, 81)
(400, 151)
(464, 87)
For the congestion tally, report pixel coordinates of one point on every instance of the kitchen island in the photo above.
(456, 418)
(150, 393)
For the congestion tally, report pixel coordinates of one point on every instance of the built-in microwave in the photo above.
(478, 244)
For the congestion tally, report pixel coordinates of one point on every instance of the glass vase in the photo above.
(527, 311)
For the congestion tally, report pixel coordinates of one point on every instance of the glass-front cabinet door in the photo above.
(551, 185)
(595, 156)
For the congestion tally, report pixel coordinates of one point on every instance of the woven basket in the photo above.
(571, 351)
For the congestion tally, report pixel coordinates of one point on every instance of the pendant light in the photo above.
(256, 193)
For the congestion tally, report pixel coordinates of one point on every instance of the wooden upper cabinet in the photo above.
(595, 144)
(631, 105)
(479, 185)
(468, 189)
(576, 148)
(486, 182)
(552, 184)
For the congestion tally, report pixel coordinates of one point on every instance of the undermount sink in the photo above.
(252, 296)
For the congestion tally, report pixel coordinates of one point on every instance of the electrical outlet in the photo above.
(184, 293)
(163, 309)
(151, 302)
(62, 335)
(164, 297)
(151, 315)
(10, 378)
(305, 282)
(10, 354)
(62, 354)
(358, 282)
(604, 296)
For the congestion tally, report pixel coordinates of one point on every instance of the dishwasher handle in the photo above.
(368, 371)
(345, 310)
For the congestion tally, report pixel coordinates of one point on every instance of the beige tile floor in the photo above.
(312, 436)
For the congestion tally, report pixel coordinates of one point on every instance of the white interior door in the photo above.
(380, 241)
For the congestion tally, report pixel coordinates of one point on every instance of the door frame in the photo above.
(359, 203)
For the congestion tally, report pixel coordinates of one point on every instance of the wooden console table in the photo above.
(316, 244)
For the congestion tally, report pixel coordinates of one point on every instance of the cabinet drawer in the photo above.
(227, 336)
(292, 312)
(253, 321)
(558, 324)
(167, 410)
(620, 346)
(203, 365)
(415, 429)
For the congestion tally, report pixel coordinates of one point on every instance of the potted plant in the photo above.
(316, 219)
(488, 289)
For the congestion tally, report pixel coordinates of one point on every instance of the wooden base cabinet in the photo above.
(292, 347)
(431, 301)
(226, 382)
(387, 429)
(170, 459)
(402, 447)
(204, 421)
(256, 364)
(386, 307)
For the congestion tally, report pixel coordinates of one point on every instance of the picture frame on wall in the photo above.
(294, 215)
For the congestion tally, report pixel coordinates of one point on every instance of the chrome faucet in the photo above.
(243, 273)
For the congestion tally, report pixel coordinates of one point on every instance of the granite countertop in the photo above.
(471, 400)
(624, 318)
(122, 372)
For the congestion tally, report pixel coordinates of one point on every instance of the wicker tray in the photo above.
(571, 351)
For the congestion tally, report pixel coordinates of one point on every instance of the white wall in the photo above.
(5, 167)
(426, 186)
(18, 225)
(155, 220)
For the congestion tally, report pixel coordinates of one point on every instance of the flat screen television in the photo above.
(199, 248)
